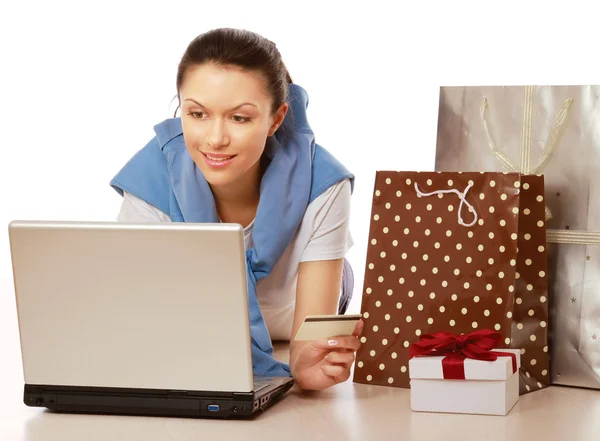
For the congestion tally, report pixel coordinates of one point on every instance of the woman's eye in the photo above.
(240, 119)
(197, 115)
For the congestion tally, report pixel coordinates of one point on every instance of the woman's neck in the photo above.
(238, 202)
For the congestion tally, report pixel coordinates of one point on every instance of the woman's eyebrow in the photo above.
(235, 108)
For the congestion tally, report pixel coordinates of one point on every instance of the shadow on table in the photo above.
(302, 415)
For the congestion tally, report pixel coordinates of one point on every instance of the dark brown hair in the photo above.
(243, 49)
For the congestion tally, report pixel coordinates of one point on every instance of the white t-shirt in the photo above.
(323, 235)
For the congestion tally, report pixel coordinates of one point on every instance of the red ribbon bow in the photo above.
(477, 345)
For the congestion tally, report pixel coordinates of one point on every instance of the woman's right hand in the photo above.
(320, 364)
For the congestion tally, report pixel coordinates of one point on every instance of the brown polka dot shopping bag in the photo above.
(454, 252)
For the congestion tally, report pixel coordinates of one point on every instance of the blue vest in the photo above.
(164, 175)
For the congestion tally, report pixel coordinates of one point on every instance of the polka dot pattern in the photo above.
(530, 315)
(459, 273)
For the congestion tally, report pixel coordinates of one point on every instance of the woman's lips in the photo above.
(218, 160)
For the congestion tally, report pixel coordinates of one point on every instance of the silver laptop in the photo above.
(142, 319)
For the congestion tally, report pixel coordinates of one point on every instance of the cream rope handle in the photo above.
(505, 160)
(556, 132)
(462, 197)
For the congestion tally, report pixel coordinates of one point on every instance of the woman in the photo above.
(243, 152)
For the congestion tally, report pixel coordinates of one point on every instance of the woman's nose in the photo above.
(217, 135)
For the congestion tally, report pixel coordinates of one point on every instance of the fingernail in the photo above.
(332, 342)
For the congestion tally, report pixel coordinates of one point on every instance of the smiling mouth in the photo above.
(218, 160)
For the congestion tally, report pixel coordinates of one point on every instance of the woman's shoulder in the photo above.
(325, 231)
(341, 189)
(146, 173)
(134, 209)
(327, 173)
(168, 130)
(333, 202)
(151, 157)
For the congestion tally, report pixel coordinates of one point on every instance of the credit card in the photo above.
(322, 327)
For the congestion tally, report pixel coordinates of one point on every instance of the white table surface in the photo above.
(345, 412)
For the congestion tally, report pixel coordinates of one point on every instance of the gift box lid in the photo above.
(430, 367)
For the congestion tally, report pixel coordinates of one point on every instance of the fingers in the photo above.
(359, 328)
(351, 343)
(341, 358)
(339, 373)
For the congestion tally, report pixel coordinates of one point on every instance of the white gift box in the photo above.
(489, 387)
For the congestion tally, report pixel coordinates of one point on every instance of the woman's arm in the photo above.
(317, 293)
(318, 289)
(317, 365)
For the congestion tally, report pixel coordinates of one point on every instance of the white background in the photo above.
(82, 84)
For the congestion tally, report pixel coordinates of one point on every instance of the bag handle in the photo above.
(462, 197)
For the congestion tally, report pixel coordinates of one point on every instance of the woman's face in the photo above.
(226, 114)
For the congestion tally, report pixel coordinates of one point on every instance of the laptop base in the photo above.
(147, 402)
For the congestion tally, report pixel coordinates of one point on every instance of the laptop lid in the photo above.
(122, 305)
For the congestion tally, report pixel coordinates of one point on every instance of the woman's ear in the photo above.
(278, 118)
